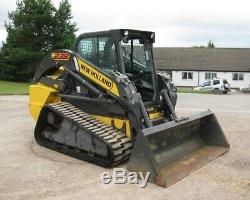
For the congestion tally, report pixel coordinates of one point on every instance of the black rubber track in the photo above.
(119, 146)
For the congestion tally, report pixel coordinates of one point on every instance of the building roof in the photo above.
(203, 59)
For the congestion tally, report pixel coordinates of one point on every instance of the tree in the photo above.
(201, 46)
(64, 30)
(210, 44)
(34, 28)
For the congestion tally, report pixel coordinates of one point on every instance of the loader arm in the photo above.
(114, 90)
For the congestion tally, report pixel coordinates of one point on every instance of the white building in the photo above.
(193, 66)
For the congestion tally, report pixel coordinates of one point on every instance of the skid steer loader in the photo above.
(105, 103)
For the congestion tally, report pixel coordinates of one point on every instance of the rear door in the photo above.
(217, 84)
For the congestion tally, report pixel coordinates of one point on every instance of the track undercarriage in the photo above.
(67, 129)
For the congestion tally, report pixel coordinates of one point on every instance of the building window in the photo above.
(210, 75)
(238, 76)
(187, 75)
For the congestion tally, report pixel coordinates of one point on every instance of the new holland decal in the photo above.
(98, 77)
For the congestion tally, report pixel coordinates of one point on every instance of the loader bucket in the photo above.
(172, 150)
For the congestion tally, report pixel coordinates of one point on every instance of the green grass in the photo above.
(9, 88)
(190, 90)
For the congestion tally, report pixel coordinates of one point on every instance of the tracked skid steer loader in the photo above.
(105, 103)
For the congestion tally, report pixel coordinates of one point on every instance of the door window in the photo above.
(100, 51)
(208, 83)
(216, 82)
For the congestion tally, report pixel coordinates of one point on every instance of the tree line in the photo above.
(33, 29)
(210, 44)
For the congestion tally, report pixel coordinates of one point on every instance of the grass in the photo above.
(190, 90)
(9, 88)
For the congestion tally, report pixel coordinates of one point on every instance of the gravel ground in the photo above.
(28, 171)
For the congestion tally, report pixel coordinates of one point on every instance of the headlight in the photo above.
(125, 33)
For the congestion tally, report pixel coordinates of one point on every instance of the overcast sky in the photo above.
(176, 23)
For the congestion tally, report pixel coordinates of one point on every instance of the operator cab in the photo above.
(127, 51)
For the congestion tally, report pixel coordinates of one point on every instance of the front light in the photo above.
(125, 33)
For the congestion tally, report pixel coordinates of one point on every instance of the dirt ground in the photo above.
(28, 171)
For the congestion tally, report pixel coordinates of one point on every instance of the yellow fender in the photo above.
(41, 95)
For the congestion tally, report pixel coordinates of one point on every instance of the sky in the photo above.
(176, 23)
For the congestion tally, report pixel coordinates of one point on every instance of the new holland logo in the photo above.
(94, 74)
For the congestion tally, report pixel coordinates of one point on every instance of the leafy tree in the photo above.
(210, 44)
(64, 30)
(34, 28)
(201, 46)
